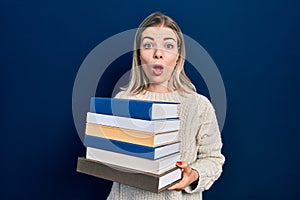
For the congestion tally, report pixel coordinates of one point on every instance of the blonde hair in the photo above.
(179, 81)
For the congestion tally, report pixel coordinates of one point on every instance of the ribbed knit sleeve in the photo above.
(209, 160)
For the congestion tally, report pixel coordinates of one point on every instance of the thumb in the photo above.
(184, 165)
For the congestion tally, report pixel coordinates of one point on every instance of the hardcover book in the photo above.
(131, 136)
(134, 178)
(152, 166)
(153, 126)
(152, 153)
(149, 110)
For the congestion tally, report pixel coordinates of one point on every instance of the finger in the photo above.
(178, 186)
(181, 184)
(173, 187)
(185, 166)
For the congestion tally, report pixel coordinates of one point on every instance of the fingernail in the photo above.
(179, 163)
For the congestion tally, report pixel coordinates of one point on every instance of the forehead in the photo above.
(159, 33)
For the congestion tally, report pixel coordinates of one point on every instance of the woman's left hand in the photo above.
(189, 176)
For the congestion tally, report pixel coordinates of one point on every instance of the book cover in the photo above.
(131, 136)
(153, 126)
(152, 153)
(146, 181)
(152, 166)
(149, 110)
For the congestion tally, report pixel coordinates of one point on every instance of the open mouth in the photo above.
(157, 69)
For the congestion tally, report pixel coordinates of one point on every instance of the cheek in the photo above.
(173, 60)
(145, 67)
(145, 57)
(142, 60)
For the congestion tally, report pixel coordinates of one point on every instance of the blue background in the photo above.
(255, 45)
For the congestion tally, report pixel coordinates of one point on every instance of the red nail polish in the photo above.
(179, 163)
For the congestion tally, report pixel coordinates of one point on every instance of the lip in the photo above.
(157, 69)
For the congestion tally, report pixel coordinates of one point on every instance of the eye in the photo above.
(148, 45)
(169, 46)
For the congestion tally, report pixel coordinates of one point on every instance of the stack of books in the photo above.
(132, 142)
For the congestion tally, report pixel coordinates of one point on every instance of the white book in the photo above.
(154, 126)
(151, 166)
(135, 178)
(169, 178)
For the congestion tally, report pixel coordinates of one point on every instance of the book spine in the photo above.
(124, 135)
(151, 126)
(121, 107)
(120, 147)
(151, 166)
(124, 122)
(145, 181)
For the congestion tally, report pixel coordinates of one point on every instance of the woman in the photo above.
(158, 74)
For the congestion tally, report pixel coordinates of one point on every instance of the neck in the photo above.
(158, 88)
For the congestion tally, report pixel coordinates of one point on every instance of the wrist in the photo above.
(195, 179)
(195, 175)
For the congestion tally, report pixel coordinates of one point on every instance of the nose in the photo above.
(158, 54)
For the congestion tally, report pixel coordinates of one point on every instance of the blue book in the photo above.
(148, 110)
(141, 151)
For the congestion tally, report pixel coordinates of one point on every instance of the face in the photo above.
(158, 54)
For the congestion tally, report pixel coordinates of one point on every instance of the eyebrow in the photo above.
(167, 38)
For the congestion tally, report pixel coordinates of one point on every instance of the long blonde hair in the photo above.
(179, 81)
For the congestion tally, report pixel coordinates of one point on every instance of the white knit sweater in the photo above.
(200, 146)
